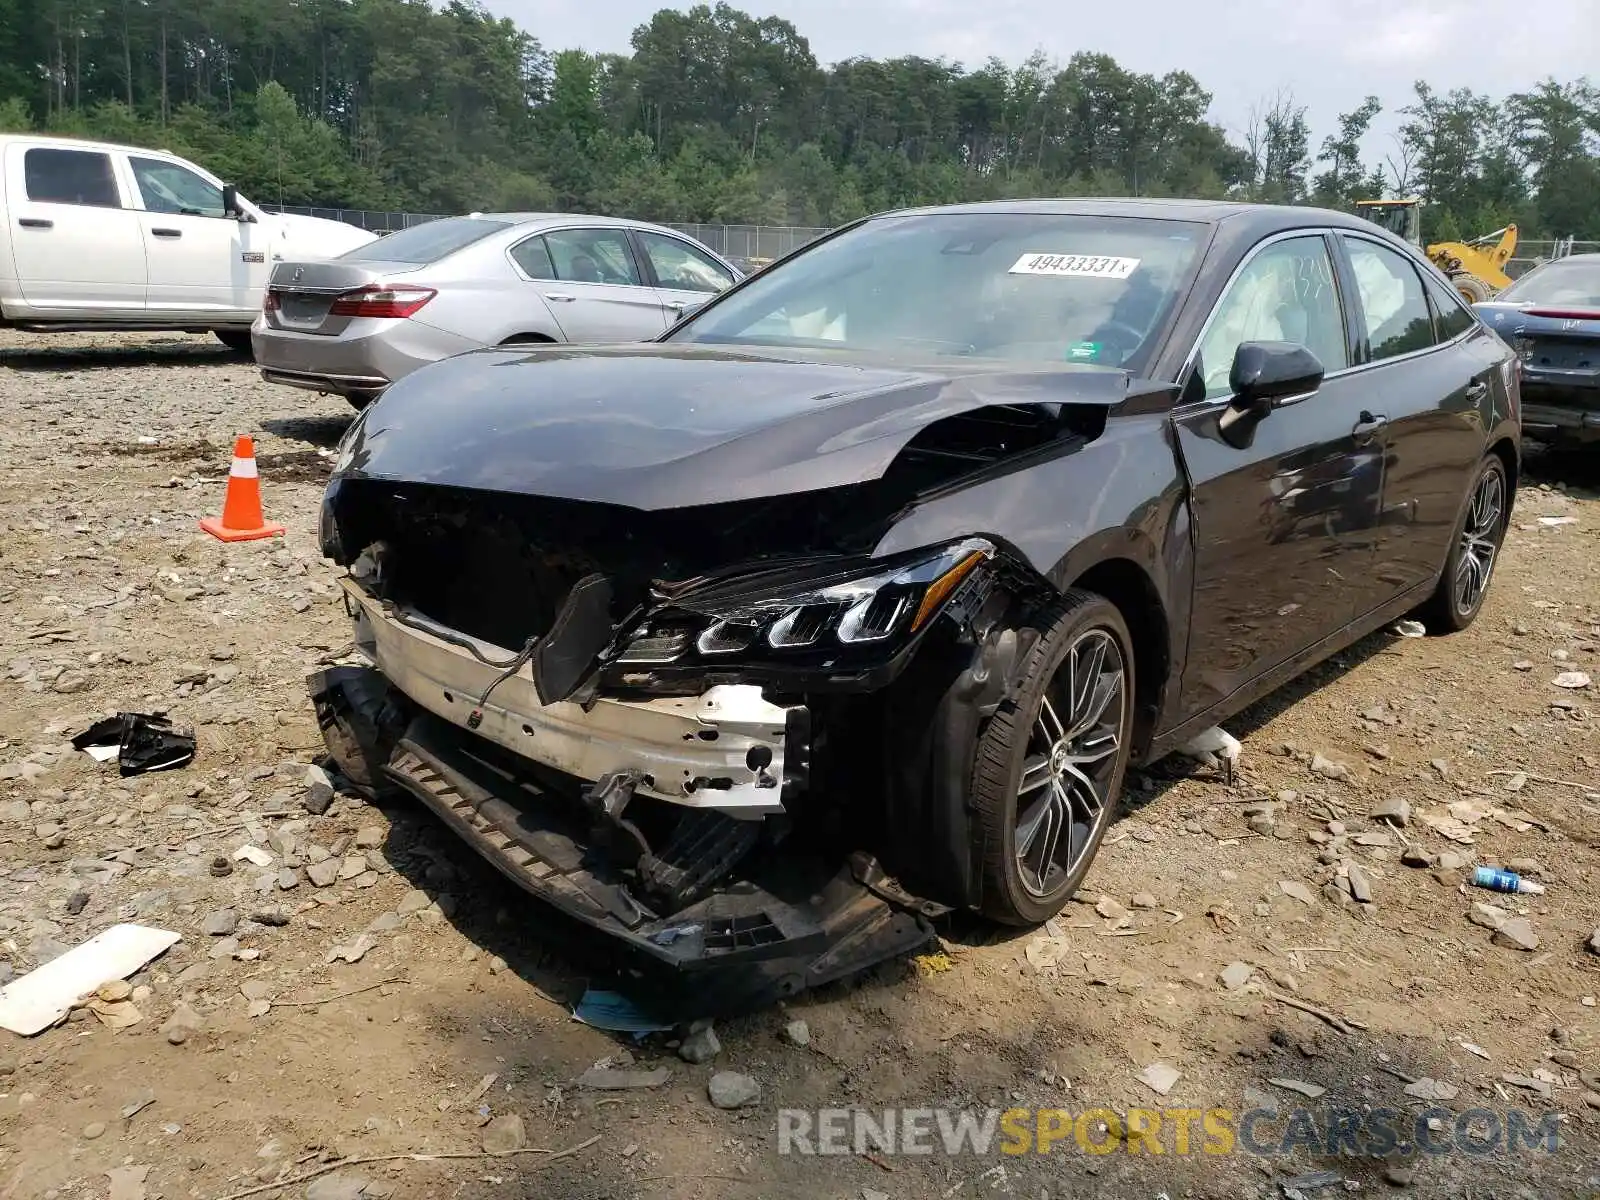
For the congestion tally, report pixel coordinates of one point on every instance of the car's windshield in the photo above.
(1565, 281)
(1028, 286)
(428, 242)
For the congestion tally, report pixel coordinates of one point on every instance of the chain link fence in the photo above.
(760, 243)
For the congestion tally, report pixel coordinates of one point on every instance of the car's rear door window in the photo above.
(1451, 316)
(533, 256)
(593, 256)
(1393, 304)
(55, 176)
(1284, 293)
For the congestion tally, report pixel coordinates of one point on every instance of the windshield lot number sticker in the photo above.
(1096, 266)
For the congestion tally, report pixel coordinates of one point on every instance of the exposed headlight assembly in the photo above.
(835, 608)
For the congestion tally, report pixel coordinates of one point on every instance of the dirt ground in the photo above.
(110, 598)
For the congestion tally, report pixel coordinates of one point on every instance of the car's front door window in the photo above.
(681, 267)
(1285, 293)
(166, 187)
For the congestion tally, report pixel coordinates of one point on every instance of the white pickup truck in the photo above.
(96, 236)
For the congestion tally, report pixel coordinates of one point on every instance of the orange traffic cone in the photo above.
(241, 519)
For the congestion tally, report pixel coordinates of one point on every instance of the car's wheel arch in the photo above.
(1123, 565)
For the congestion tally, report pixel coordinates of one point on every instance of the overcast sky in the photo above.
(1330, 54)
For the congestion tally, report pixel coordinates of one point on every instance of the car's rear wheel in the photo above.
(359, 400)
(1049, 767)
(237, 340)
(1474, 550)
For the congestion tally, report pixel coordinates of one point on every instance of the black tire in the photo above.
(1471, 289)
(1481, 531)
(237, 340)
(360, 400)
(1015, 891)
(528, 339)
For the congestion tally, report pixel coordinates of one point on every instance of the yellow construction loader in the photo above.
(1476, 268)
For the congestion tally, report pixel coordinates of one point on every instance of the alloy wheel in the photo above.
(1073, 747)
(1480, 542)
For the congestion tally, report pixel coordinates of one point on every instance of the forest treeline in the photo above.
(718, 115)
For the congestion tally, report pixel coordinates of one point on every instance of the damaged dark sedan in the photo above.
(852, 599)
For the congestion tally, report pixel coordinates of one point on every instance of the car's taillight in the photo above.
(381, 302)
(1565, 314)
(269, 302)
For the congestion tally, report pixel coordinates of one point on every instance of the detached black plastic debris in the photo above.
(143, 741)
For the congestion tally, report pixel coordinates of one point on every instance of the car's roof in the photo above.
(73, 143)
(1265, 216)
(542, 218)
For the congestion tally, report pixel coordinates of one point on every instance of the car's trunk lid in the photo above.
(300, 295)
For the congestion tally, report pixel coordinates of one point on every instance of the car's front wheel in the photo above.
(1456, 602)
(1048, 770)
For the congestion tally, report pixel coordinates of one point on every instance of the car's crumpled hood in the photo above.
(661, 426)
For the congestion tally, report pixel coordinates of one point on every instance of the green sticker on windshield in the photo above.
(1083, 352)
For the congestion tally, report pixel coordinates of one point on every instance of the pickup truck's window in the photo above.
(1397, 314)
(166, 187)
(593, 256)
(681, 267)
(70, 177)
(428, 242)
(1029, 286)
(1284, 294)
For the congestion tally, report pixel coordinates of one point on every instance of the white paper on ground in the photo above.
(44, 995)
(103, 753)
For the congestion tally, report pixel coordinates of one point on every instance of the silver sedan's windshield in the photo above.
(1037, 287)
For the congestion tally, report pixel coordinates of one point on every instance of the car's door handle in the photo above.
(560, 297)
(1368, 425)
(1477, 391)
(167, 233)
(35, 223)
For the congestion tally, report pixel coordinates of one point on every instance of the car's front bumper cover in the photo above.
(727, 749)
(800, 924)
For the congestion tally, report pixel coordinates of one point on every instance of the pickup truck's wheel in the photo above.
(237, 340)
(1049, 768)
(1456, 602)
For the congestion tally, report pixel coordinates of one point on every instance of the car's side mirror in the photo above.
(1266, 376)
(231, 206)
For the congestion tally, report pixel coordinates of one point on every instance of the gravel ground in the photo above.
(1216, 936)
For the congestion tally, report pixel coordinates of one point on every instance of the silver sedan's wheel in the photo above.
(1074, 746)
(1049, 765)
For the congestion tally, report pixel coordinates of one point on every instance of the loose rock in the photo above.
(1235, 975)
(1392, 809)
(324, 874)
(1516, 933)
(798, 1033)
(504, 1134)
(221, 922)
(730, 1090)
(701, 1046)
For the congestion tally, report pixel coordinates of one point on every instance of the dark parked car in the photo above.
(854, 597)
(1551, 317)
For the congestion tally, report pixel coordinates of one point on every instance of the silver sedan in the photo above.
(354, 324)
